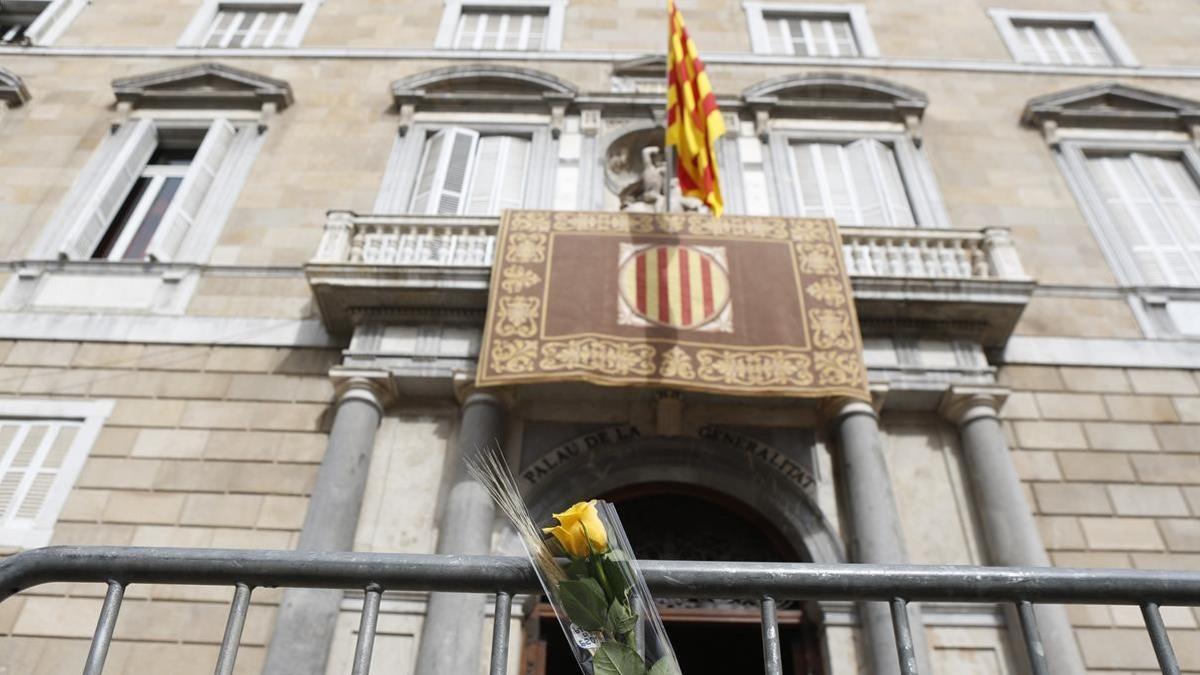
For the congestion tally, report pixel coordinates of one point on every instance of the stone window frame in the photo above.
(556, 11)
(90, 417)
(400, 177)
(1111, 38)
(856, 14)
(52, 21)
(928, 208)
(202, 20)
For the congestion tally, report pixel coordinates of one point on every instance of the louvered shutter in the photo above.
(200, 176)
(812, 190)
(498, 179)
(45, 20)
(445, 172)
(1177, 202)
(869, 202)
(897, 210)
(30, 469)
(94, 216)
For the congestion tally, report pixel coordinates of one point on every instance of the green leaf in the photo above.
(620, 619)
(577, 569)
(665, 666)
(614, 658)
(616, 570)
(584, 602)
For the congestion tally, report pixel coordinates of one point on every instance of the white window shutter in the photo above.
(95, 215)
(444, 176)
(897, 210)
(200, 176)
(867, 192)
(514, 174)
(498, 179)
(46, 19)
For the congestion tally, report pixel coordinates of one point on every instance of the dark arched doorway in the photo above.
(671, 521)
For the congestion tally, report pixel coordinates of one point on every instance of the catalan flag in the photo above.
(694, 122)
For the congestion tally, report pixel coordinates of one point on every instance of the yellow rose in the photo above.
(576, 527)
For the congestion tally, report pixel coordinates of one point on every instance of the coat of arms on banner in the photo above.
(742, 305)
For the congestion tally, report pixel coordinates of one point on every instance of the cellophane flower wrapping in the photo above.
(606, 610)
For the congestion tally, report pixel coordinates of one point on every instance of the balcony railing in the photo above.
(432, 241)
(373, 574)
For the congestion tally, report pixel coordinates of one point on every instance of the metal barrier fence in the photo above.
(245, 570)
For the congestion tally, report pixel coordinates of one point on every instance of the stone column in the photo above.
(307, 617)
(450, 637)
(1009, 531)
(872, 523)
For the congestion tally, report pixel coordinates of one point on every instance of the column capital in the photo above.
(465, 391)
(963, 403)
(836, 407)
(372, 386)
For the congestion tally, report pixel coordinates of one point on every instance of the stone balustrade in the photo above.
(439, 241)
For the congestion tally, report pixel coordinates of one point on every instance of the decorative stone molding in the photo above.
(203, 86)
(12, 89)
(962, 404)
(836, 96)
(1110, 105)
(373, 386)
(834, 408)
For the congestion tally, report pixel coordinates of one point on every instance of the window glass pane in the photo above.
(857, 183)
(151, 221)
(121, 220)
(248, 26)
(808, 35)
(1060, 43)
(510, 29)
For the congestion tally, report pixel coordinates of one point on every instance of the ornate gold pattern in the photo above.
(817, 258)
(828, 291)
(761, 228)
(529, 221)
(840, 369)
(513, 356)
(831, 328)
(518, 278)
(526, 248)
(810, 231)
(608, 357)
(518, 316)
(677, 363)
(755, 369)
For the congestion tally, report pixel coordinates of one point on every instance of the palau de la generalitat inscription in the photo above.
(563, 455)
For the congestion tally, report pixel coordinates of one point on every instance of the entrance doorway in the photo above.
(667, 521)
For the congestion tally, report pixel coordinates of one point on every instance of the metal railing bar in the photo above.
(499, 665)
(233, 630)
(484, 574)
(1033, 639)
(904, 641)
(104, 629)
(367, 624)
(772, 661)
(1160, 639)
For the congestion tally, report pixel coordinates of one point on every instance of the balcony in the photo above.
(948, 282)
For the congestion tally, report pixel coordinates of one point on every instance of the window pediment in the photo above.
(12, 89)
(1112, 105)
(468, 87)
(206, 85)
(833, 95)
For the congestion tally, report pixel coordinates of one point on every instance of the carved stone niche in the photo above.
(625, 169)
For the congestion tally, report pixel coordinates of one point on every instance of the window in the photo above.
(24, 22)
(43, 445)
(502, 25)
(15, 19)
(1153, 202)
(810, 30)
(250, 25)
(856, 183)
(148, 197)
(465, 173)
(1053, 38)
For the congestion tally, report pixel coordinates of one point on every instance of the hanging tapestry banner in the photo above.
(735, 305)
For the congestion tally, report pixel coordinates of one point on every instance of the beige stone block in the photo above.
(1179, 437)
(170, 443)
(1125, 436)
(1071, 498)
(1031, 378)
(1061, 533)
(1036, 465)
(1188, 562)
(38, 353)
(141, 412)
(11, 379)
(258, 387)
(1155, 381)
(1181, 535)
(118, 473)
(58, 617)
(10, 609)
(288, 416)
(114, 442)
(84, 505)
(1128, 616)
(1140, 408)
(270, 540)
(1071, 406)
(282, 513)
(1020, 405)
(127, 383)
(143, 507)
(221, 510)
(5, 347)
(1089, 615)
(243, 359)
(1095, 379)
(1116, 648)
(1188, 408)
(1176, 469)
(174, 357)
(190, 476)
(1091, 559)
(1050, 435)
(279, 479)
(167, 535)
(176, 659)
(1121, 534)
(217, 415)
(308, 361)
(58, 382)
(1147, 500)
(108, 355)
(1192, 495)
(303, 447)
(193, 385)
(1095, 466)
(243, 445)
(91, 534)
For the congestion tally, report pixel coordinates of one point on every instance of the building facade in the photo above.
(246, 252)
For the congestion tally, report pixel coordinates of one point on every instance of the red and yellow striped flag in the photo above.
(694, 122)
